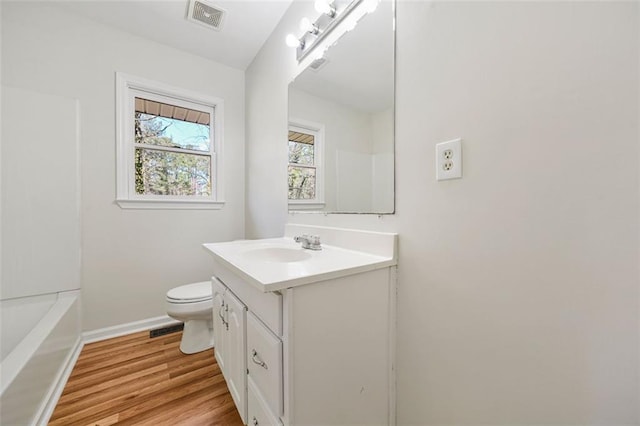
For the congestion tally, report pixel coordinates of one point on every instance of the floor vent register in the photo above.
(166, 330)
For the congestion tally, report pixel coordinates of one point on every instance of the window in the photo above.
(305, 165)
(168, 149)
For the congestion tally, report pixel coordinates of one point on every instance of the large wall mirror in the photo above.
(341, 122)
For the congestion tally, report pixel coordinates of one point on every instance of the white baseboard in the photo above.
(128, 328)
(50, 401)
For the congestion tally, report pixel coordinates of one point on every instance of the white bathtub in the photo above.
(40, 337)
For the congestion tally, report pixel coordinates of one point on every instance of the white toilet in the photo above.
(193, 305)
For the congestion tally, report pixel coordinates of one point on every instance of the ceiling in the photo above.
(247, 24)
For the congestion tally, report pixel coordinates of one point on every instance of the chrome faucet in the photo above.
(311, 242)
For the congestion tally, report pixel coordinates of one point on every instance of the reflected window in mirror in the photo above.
(305, 172)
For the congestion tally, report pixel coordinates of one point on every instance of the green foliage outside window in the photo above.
(302, 173)
(163, 172)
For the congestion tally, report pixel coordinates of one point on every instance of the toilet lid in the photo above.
(196, 292)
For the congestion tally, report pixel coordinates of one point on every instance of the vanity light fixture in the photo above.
(308, 27)
(293, 41)
(326, 7)
(332, 13)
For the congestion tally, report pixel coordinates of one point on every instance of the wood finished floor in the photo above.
(136, 380)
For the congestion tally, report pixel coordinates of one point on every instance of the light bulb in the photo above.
(307, 26)
(324, 6)
(370, 5)
(292, 41)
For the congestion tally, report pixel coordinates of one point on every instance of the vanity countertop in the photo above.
(279, 263)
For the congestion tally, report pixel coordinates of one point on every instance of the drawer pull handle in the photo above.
(256, 359)
(254, 422)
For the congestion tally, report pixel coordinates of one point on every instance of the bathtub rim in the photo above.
(15, 361)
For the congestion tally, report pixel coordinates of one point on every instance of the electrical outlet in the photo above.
(449, 160)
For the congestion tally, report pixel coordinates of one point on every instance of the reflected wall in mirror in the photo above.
(341, 123)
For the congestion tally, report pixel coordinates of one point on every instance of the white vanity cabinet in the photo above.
(229, 336)
(332, 363)
(319, 347)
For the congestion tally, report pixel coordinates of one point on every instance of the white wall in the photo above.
(266, 128)
(129, 257)
(40, 194)
(518, 296)
(0, 141)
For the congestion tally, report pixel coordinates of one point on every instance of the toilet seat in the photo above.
(190, 293)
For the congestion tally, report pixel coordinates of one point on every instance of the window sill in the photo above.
(171, 204)
(305, 206)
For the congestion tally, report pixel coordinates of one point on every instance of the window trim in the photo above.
(301, 125)
(127, 88)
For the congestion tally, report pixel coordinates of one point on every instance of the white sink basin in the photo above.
(278, 263)
(277, 254)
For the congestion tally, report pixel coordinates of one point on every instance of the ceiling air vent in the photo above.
(207, 14)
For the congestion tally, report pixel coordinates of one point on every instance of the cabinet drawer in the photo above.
(259, 413)
(264, 362)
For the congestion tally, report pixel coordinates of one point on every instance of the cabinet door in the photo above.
(235, 351)
(219, 323)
